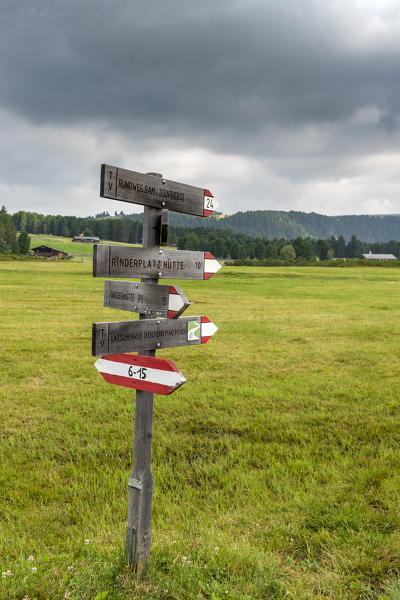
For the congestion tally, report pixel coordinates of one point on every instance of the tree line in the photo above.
(10, 242)
(117, 230)
(273, 224)
(230, 244)
(222, 243)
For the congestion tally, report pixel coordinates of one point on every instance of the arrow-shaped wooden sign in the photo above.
(131, 261)
(146, 298)
(150, 334)
(146, 373)
(150, 190)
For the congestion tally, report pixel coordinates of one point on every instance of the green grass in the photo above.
(276, 466)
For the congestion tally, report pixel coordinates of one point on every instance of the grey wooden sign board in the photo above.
(145, 298)
(148, 334)
(151, 190)
(129, 261)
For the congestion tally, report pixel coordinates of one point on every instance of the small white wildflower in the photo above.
(184, 558)
(216, 548)
(67, 595)
(3, 575)
(9, 573)
(34, 569)
(86, 542)
(25, 598)
(30, 558)
(70, 568)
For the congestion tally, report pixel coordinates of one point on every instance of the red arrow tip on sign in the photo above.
(177, 302)
(210, 204)
(211, 265)
(208, 328)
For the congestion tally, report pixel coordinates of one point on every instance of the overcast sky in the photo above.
(281, 105)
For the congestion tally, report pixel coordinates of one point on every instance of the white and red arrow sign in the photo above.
(130, 261)
(146, 298)
(146, 373)
(149, 334)
(149, 190)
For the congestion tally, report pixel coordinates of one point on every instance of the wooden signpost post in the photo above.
(111, 341)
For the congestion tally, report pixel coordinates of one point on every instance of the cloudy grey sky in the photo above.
(283, 105)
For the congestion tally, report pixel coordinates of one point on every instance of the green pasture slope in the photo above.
(276, 466)
(78, 250)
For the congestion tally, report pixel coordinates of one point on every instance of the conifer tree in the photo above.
(8, 234)
(24, 242)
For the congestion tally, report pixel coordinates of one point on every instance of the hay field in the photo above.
(276, 466)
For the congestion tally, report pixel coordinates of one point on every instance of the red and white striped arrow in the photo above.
(146, 373)
(177, 302)
(211, 265)
(210, 204)
(208, 328)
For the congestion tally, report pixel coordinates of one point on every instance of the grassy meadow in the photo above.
(276, 466)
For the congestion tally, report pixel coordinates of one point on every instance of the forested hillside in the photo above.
(289, 225)
(255, 224)
(222, 242)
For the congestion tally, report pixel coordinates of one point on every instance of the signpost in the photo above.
(129, 261)
(157, 375)
(145, 373)
(148, 189)
(146, 298)
(127, 336)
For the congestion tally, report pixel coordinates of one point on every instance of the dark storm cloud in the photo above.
(302, 96)
(195, 67)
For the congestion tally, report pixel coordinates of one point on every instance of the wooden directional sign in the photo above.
(148, 334)
(130, 261)
(150, 190)
(146, 298)
(146, 373)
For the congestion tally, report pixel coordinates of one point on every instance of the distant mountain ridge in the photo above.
(290, 225)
